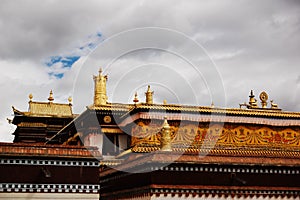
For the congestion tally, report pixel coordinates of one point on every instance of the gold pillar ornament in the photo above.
(149, 96)
(165, 143)
(100, 97)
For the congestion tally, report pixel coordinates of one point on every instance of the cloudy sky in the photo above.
(191, 52)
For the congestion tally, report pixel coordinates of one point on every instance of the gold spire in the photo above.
(51, 96)
(149, 96)
(136, 99)
(165, 144)
(100, 97)
(165, 102)
(30, 97)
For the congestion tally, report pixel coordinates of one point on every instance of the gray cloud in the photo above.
(254, 45)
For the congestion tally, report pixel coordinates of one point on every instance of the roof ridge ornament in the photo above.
(100, 96)
(30, 97)
(51, 96)
(136, 99)
(263, 96)
(149, 96)
(252, 100)
(70, 100)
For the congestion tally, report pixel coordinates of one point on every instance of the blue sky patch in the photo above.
(68, 61)
(59, 64)
(56, 75)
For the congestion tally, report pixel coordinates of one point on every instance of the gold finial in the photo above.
(70, 100)
(212, 104)
(135, 100)
(149, 96)
(165, 136)
(51, 96)
(30, 97)
(100, 71)
(165, 102)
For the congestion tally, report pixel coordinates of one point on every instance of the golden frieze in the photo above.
(226, 135)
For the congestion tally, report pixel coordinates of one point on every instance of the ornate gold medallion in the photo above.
(107, 119)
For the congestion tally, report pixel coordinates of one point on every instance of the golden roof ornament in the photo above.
(252, 100)
(149, 96)
(264, 102)
(30, 97)
(165, 102)
(100, 97)
(165, 143)
(273, 105)
(136, 99)
(264, 98)
(70, 100)
(51, 96)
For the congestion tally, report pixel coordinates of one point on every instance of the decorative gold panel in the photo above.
(218, 135)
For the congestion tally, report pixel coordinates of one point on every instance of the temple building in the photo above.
(42, 121)
(32, 170)
(146, 150)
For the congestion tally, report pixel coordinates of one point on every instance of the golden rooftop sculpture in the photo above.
(30, 97)
(149, 96)
(51, 96)
(135, 100)
(70, 100)
(100, 97)
(264, 102)
(264, 97)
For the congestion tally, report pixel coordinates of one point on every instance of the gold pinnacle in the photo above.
(135, 100)
(51, 96)
(30, 97)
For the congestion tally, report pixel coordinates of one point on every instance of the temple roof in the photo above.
(47, 109)
(197, 109)
(133, 112)
(52, 109)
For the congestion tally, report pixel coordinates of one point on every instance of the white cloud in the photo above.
(255, 45)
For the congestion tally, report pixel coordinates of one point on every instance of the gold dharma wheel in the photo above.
(263, 96)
